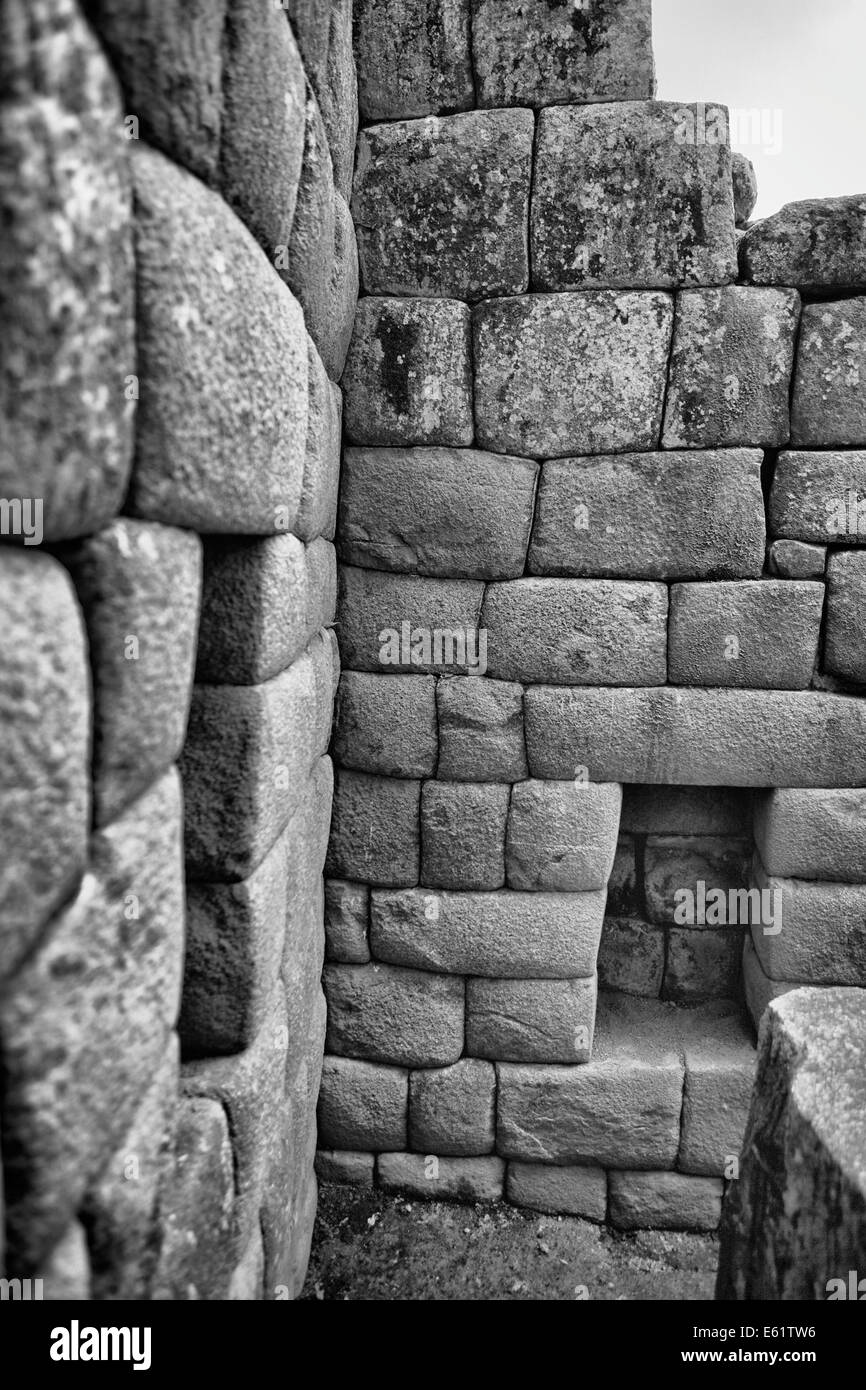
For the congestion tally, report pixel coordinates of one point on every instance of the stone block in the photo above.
(677, 863)
(818, 934)
(347, 922)
(571, 374)
(758, 988)
(65, 1274)
(375, 832)
(344, 284)
(408, 378)
(755, 634)
(827, 404)
(720, 1072)
(395, 622)
(386, 724)
(816, 245)
(413, 58)
(577, 631)
(812, 833)
(531, 1020)
(481, 731)
(562, 835)
(337, 90)
(796, 560)
(845, 633)
(442, 1179)
(665, 1202)
(820, 497)
(745, 184)
(685, 515)
(702, 963)
(406, 1018)
(731, 365)
(306, 261)
(452, 1109)
(362, 1105)
(351, 1169)
(444, 512)
(198, 1243)
(687, 811)
(317, 515)
(631, 957)
(463, 834)
(624, 898)
(573, 1191)
(498, 935)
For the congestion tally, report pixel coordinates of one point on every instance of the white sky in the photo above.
(800, 63)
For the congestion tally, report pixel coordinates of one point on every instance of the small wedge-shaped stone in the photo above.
(818, 244)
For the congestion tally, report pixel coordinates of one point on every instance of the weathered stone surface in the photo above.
(687, 811)
(818, 244)
(247, 1280)
(396, 622)
(344, 284)
(347, 921)
(541, 53)
(68, 312)
(755, 634)
(337, 90)
(531, 1020)
(664, 1202)
(374, 832)
(845, 636)
(307, 261)
(816, 833)
(571, 374)
(577, 631)
(445, 512)
(621, 1110)
(317, 515)
(735, 738)
(45, 769)
(796, 560)
(452, 1109)
(702, 963)
(403, 1017)
(362, 1106)
(413, 58)
(499, 935)
(408, 378)
(745, 184)
(575, 1191)
(87, 1021)
(631, 957)
(758, 988)
(820, 497)
(674, 862)
(795, 1223)
(623, 896)
(441, 205)
(682, 515)
(197, 1206)
(352, 1169)
(822, 940)
(828, 405)
(65, 1273)
(731, 365)
(442, 1180)
(720, 1071)
(463, 834)
(386, 724)
(562, 835)
(623, 195)
(220, 331)
(139, 585)
(480, 731)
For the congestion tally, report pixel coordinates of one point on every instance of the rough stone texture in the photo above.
(45, 769)
(87, 1021)
(403, 1017)
(720, 1073)
(531, 1020)
(337, 91)
(139, 585)
(624, 195)
(347, 919)
(452, 1110)
(352, 1169)
(65, 1274)
(687, 811)
(441, 205)
(623, 896)
(388, 622)
(682, 515)
(796, 560)
(562, 835)
(797, 1219)
(845, 637)
(820, 497)
(408, 378)
(735, 738)
(68, 312)
(823, 931)
(702, 963)
(568, 1191)
(375, 831)
(386, 724)
(731, 364)
(344, 286)
(445, 512)
(216, 329)
(745, 184)
(499, 935)
(463, 835)
(307, 263)
(758, 988)
(755, 634)
(317, 515)
(481, 731)
(362, 1106)
(815, 833)
(621, 1110)
(197, 1207)
(631, 957)
(539, 53)
(675, 862)
(577, 631)
(413, 58)
(816, 245)
(664, 1202)
(442, 1180)
(571, 373)
(828, 405)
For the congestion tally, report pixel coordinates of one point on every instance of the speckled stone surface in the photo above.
(828, 406)
(413, 57)
(818, 244)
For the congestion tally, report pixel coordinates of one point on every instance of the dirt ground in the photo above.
(371, 1246)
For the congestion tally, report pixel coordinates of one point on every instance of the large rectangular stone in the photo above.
(375, 835)
(571, 373)
(397, 622)
(685, 515)
(820, 497)
(531, 1020)
(406, 1018)
(480, 730)
(363, 1106)
(816, 244)
(755, 634)
(818, 936)
(498, 935)
(845, 634)
(452, 1109)
(463, 834)
(386, 724)
(665, 1202)
(673, 863)
(624, 195)
(812, 833)
(828, 404)
(720, 1072)
(196, 1209)
(738, 738)
(576, 631)
(562, 835)
(442, 1179)
(573, 1191)
(444, 512)
(797, 560)
(413, 58)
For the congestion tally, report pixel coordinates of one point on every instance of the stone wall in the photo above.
(178, 276)
(598, 604)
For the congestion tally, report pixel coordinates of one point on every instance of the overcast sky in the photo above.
(800, 63)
